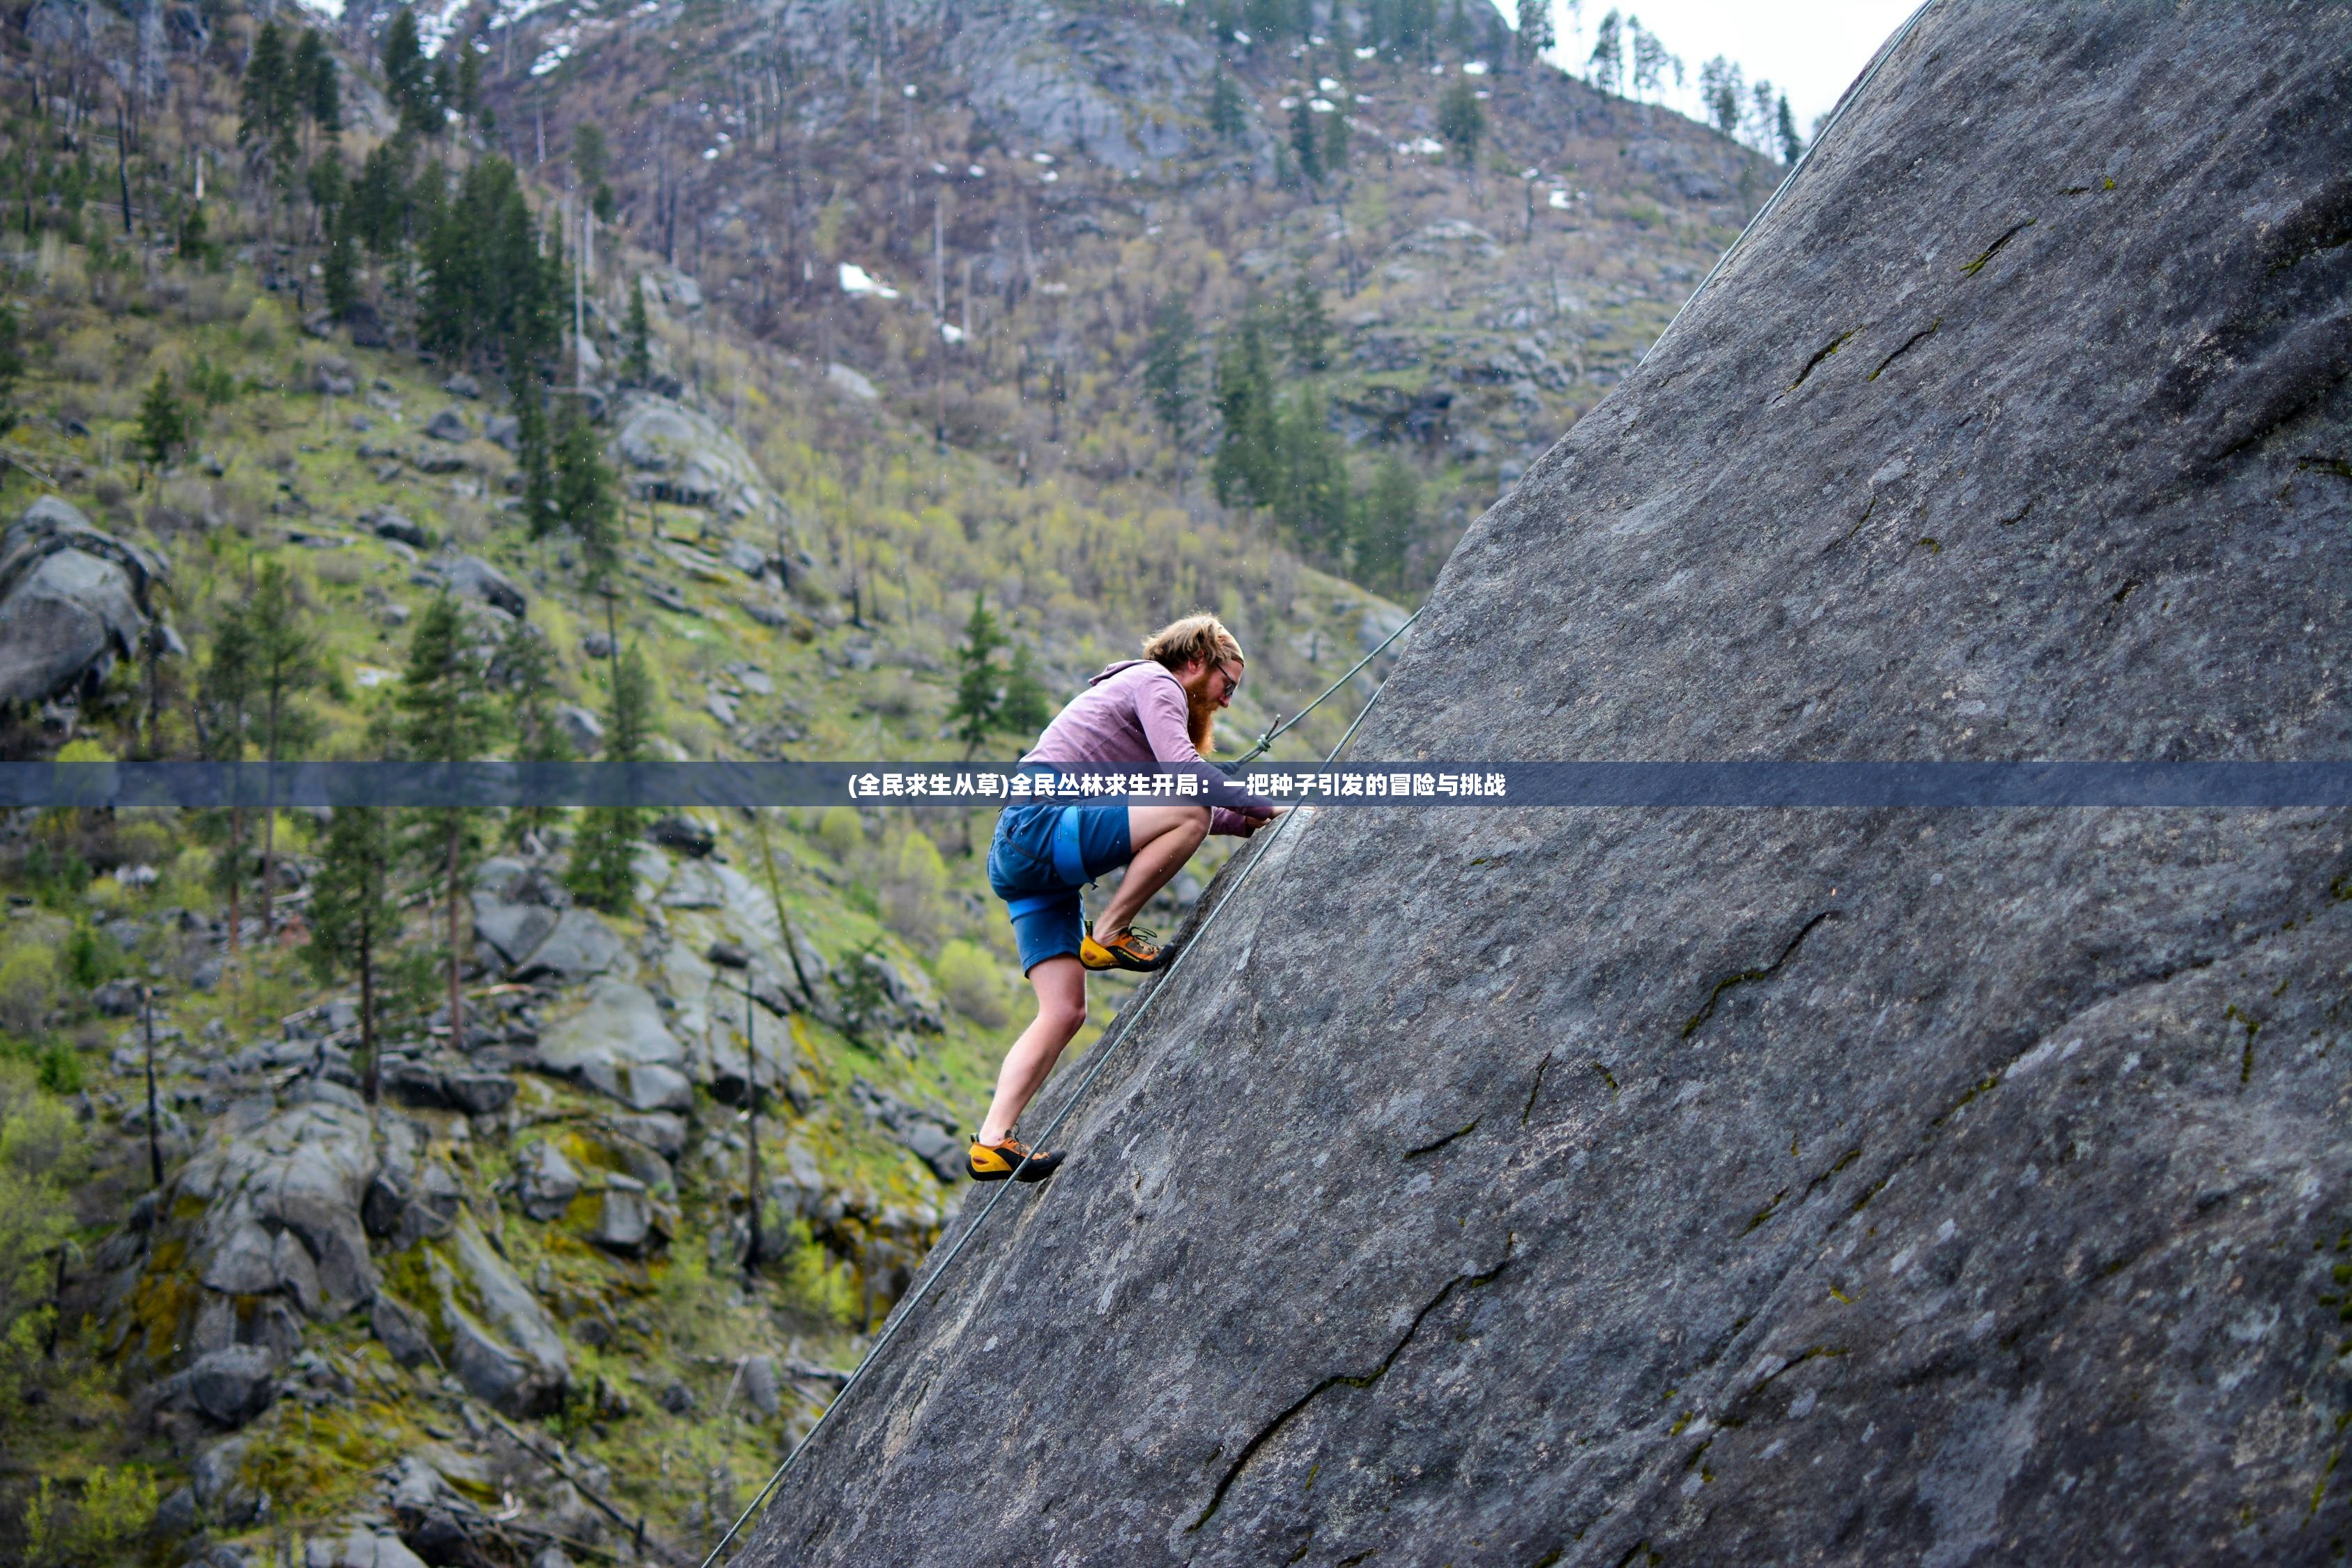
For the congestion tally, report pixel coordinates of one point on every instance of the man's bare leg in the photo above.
(1162, 837)
(1061, 987)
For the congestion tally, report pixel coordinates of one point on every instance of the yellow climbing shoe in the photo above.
(1132, 949)
(994, 1162)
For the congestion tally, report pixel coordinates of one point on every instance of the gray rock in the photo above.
(659, 1131)
(72, 601)
(506, 1348)
(580, 945)
(624, 1218)
(365, 1547)
(551, 1557)
(617, 1042)
(300, 1175)
(582, 728)
(515, 930)
(478, 1093)
(401, 1331)
(471, 577)
(462, 386)
(546, 1182)
(218, 1481)
(449, 424)
(683, 456)
(504, 430)
(759, 1387)
(231, 1385)
(390, 524)
(1707, 1185)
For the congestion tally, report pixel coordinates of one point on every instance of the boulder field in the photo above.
(1769, 1185)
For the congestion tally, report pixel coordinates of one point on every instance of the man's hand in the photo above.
(1250, 825)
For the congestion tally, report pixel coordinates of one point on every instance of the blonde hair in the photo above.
(1195, 639)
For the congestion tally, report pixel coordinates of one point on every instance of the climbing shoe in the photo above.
(1131, 949)
(994, 1162)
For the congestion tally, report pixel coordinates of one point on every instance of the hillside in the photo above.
(513, 1303)
(1756, 1185)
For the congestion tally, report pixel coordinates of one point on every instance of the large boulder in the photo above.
(230, 1386)
(617, 1042)
(471, 577)
(682, 455)
(72, 601)
(281, 1207)
(1760, 1184)
(578, 945)
(504, 1346)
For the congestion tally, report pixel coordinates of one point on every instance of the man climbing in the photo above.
(1161, 709)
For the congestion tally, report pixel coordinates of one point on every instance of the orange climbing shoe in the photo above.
(994, 1162)
(1131, 949)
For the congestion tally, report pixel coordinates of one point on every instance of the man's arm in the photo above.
(1160, 708)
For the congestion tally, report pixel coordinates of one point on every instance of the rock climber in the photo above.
(1161, 709)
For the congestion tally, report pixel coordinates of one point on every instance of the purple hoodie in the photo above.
(1135, 711)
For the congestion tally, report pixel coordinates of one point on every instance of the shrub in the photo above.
(973, 984)
(92, 957)
(59, 1068)
(840, 832)
(28, 981)
(912, 890)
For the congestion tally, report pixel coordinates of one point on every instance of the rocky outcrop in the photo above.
(502, 1344)
(1766, 1185)
(282, 1204)
(680, 455)
(617, 1044)
(73, 600)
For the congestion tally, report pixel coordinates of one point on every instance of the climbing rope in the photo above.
(1837, 112)
(1271, 736)
(1122, 1026)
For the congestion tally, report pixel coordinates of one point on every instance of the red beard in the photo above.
(1201, 714)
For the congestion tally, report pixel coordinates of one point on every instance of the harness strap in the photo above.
(1069, 858)
(1016, 908)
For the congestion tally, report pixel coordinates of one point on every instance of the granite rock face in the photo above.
(1757, 1185)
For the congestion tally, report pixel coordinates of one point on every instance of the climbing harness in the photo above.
(1837, 112)
(1121, 1026)
(1276, 733)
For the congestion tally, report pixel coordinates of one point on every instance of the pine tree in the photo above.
(354, 915)
(467, 94)
(1792, 146)
(638, 364)
(1720, 85)
(1310, 503)
(1386, 522)
(1535, 29)
(1304, 142)
(285, 663)
(525, 668)
(163, 422)
(1228, 109)
(1025, 710)
(1461, 121)
(408, 80)
(318, 88)
(603, 872)
(1338, 131)
(1606, 65)
(448, 716)
(978, 709)
(588, 154)
(1245, 470)
(223, 707)
(585, 496)
(1307, 325)
(269, 96)
(535, 457)
(1168, 367)
(340, 274)
(12, 365)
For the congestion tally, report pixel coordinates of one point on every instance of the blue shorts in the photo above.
(1042, 854)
